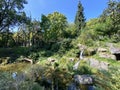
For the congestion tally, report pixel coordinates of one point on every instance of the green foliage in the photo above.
(70, 31)
(108, 80)
(83, 69)
(111, 17)
(34, 56)
(62, 46)
(11, 13)
(8, 83)
(54, 26)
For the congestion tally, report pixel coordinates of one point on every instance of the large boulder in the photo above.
(98, 64)
(116, 52)
(94, 63)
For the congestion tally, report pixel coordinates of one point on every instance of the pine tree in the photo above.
(80, 19)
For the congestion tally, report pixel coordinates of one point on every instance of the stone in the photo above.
(51, 61)
(28, 60)
(14, 75)
(102, 49)
(91, 51)
(71, 59)
(116, 52)
(108, 56)
(83, 79)
(94, 63)
(81, 47)
(98, 64)
(72, 86)
(104, 65)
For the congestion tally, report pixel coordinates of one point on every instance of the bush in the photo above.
(34, 56)
(108, 80)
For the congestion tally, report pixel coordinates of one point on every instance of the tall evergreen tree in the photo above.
(79, 19)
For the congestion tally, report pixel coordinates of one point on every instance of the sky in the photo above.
(92, 8)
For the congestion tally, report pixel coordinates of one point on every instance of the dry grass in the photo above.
(18, 67)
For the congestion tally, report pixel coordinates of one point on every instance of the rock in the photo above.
(115, 51)
(83, 79)
(14, 75)
(98, 64)
(51, 61)
(94, 63)
(72, 86)
(27, 60)
(90, 51)
(104, 65)
(4, 60)
(81, 47)
(102, 49)
(71, 59)
(106, 55)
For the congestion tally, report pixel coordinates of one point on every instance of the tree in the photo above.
(45, 24)
(111, 16)
(70, 31)
(11, 13)
(54, 26)
(79, 19)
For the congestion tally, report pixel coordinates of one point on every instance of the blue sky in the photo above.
(92, 8)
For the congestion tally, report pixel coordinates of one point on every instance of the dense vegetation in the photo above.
(54, 37)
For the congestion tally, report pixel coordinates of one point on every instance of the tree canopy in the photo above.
(54, 25)
(11, 13)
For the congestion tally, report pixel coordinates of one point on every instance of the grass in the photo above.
(15, 67)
